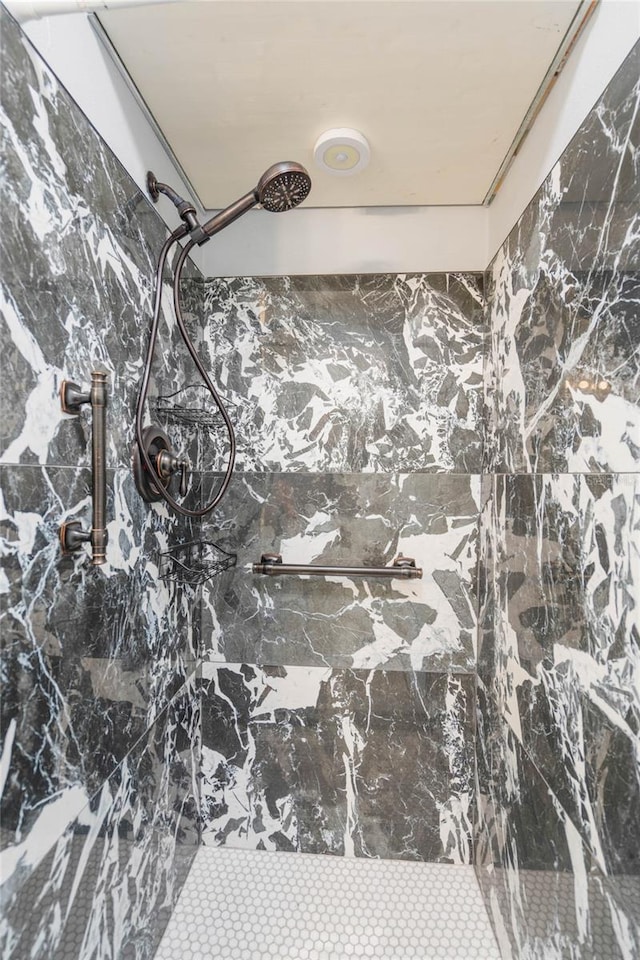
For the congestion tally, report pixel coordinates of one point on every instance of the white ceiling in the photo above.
(439, 87)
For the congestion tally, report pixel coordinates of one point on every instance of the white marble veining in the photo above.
(558, 742)
(354, 762)
(100, 718)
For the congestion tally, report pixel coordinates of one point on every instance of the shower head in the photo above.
(282, 187)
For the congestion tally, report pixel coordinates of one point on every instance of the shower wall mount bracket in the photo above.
(72, 399)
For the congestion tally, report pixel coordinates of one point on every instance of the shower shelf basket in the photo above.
(187, 406)
(195, 562)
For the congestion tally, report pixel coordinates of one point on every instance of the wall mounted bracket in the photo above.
(72, 399)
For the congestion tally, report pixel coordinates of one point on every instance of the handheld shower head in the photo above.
(283, 186)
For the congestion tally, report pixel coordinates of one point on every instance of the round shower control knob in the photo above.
(158, 449)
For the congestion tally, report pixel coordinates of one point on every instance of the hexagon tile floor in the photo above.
(251, 905)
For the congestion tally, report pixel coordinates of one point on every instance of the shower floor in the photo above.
(251, 905)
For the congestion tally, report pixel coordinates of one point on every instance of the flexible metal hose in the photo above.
(144, 386)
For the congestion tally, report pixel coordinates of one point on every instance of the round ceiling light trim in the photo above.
(342, 151)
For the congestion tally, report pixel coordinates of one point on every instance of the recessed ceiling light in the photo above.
(342, 151)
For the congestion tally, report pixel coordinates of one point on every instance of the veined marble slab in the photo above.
(99, 876)
(92, 659)
(563, 366)
(351, 762)
(90, 656)
(353, 520)
(78, 243)
(547, 897)
(559, 648)
(559, 561)
(349, 373)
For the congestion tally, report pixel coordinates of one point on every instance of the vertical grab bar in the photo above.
(72, 534)
(99, 535)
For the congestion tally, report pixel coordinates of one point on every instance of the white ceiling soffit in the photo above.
(440, 88)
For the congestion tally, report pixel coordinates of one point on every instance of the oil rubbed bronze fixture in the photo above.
(194, 562)
(282, 187)
(271, 564)
(72, 399)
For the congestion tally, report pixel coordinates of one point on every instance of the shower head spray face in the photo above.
(283, 186)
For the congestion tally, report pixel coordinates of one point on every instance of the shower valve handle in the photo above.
(184, 467)
(167, 464)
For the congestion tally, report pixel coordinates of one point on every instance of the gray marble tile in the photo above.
(361, 763)
(92, 659)
(559, 644)
(352, 519)
(78, 243)
(558, 734)
(90, 656)
(351, 373)
(106, 871)
(562, 373)
(546, 897)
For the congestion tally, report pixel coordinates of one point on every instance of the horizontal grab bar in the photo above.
(271, 564)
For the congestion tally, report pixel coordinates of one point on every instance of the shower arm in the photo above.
(186, 209)
(199, 232)
(147, 463)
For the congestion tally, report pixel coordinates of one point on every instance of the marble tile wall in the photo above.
(106, 874)
(336, 716)
(560, 563)
(349, 374)
(562, 367)
(337, 713)
(368, 763)
(100, 715)
(545, 892)
(427, 624)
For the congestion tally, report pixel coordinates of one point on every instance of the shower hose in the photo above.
(144, 387)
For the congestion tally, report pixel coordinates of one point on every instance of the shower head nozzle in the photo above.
(283, 186)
